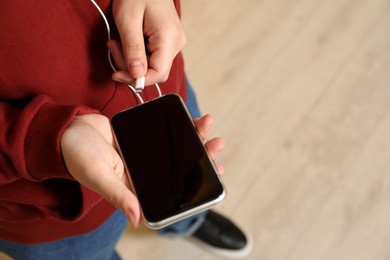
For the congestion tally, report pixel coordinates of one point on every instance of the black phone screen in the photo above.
(168, 165)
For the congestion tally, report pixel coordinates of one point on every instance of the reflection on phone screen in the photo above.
(169, 167)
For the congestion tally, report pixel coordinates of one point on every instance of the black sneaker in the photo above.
(222, 237)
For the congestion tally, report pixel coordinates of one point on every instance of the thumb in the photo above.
(135, 56)
(118, 194)
(130, 28)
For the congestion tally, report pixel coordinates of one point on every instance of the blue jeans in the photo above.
(97, 244)
(100, 243)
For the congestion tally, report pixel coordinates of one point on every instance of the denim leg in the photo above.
(192, 103)
(98, 244)
(185, 227)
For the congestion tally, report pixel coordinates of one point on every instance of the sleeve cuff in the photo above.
(42, 145)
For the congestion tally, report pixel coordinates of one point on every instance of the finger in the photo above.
(165, 39)
(122, 76)
(117, 54)
(162, 53)
(160, 63)
(203, 126)
(126, 201)
(220, 168)
(214, 146)
(110, 182)
(118, 194)
(135, 55)
(130, 27)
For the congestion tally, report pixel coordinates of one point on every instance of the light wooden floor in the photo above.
(300, 90)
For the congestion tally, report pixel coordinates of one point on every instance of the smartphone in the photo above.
(170, 171)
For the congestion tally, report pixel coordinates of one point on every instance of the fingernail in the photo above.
(132, 218)
(135, 64)
(136, 67)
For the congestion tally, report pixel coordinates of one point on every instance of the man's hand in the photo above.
(151, 36)
(88, 149)
(91, 157)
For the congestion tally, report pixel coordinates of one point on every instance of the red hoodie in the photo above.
(53, 67)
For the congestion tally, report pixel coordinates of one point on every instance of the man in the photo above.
(61, 178)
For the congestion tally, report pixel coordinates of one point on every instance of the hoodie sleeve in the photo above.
(31, 159)
(30, 137)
